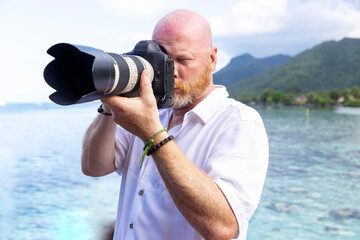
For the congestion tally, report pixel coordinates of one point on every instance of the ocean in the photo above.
(312, 189)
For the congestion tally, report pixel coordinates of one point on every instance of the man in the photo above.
(204, 184)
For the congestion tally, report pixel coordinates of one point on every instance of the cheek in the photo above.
(187, 73)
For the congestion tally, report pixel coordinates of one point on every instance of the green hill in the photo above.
(246, 66)
(332, 64)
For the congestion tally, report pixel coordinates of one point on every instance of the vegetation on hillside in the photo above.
(347, 97)
(330, 65)
(246, 66)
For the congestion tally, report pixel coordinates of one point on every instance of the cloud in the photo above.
(264, 16)
(250, 17)
(259, 27)
(324, 18)
(263, 27)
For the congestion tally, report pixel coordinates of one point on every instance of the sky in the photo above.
(259, 27)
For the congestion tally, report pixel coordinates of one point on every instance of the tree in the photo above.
(346, 94)
(266, 95)
(276, 96)
(289, 98)
(326, 100)
(355, 92)
(334, 94)
(313, 98)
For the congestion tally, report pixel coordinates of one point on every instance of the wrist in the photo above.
(104, 110)
(152, 132)
(150, 143)
(161, 136)
(159, 145)
(106, 107)
(155, 136)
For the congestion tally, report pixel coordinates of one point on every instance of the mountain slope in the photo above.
(326, 66)
(246, 66)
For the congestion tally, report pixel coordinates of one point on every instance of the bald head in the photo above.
(182, 22)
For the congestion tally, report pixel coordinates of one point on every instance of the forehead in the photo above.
(177, 39)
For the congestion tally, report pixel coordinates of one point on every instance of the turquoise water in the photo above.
(314, 172)
(44, 194)
(312, 189)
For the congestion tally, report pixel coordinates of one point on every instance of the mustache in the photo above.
(183, 86)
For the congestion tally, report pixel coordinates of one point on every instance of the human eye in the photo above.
(184, 60)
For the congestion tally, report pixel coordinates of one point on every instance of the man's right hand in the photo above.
(138, 115)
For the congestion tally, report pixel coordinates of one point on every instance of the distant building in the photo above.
(301, 98)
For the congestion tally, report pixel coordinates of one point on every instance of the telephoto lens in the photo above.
(81, 74)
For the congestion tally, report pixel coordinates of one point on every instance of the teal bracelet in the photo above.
(149, 144)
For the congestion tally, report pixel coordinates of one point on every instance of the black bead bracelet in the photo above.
(102, 111)
(157, 146)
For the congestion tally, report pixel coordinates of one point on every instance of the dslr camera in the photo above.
(82, 74)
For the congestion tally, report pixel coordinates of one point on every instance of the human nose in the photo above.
(176, 67)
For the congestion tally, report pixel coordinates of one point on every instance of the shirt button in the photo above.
(131, 226)
(141, 192)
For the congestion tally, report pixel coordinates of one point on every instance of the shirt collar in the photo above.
(203, 110)
(207, 107)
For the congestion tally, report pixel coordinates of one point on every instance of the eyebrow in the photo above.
(184, 55)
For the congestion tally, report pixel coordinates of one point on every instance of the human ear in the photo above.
(213, 58)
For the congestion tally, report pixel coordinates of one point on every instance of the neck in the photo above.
(178, 114)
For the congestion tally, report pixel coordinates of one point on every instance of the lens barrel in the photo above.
(82, 74)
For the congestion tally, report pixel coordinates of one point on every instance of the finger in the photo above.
(114, 101)
(145, 85)
(108, 100)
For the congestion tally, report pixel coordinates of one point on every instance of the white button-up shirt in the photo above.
(224, 138)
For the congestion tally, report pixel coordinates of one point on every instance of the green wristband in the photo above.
(148, 145)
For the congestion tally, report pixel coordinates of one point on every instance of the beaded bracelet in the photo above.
(102, 111)
(160, 144)
(148, 145)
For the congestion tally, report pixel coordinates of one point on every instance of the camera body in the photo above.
(82, 74)
(163, 66)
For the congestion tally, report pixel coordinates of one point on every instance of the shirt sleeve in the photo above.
(122, 142)
(238, 165)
